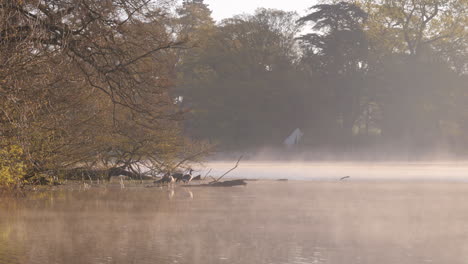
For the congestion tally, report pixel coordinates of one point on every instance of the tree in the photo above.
(393, 70)
(417, 53)
(87, 82)
(338, 51)
(239, 84)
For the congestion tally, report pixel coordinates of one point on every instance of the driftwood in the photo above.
(228, 183)
(231, 183)
(216, 181)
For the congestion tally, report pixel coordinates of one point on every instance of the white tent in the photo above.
(294, 138)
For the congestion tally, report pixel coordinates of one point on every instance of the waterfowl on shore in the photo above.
(187, 177)
(171, 179)
(166, 179)
(178, 176)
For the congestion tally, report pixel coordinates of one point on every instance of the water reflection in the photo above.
(265, 222)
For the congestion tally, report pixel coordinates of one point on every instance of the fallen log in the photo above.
(220, 184)
(229, 183)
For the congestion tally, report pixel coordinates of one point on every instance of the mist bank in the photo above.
(266, 222)
(442, 171)
(381, 155)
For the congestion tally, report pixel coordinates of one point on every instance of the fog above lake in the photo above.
(267, 222)
(332, 171)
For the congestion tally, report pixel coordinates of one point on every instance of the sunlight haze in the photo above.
(232, 132)
(224, 9)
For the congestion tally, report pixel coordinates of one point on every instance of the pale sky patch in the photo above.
(228, 8)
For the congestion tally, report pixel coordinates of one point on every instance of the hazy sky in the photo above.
(227, 8)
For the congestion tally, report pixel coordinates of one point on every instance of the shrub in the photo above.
(12, 167)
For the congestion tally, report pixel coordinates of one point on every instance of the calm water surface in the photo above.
(265, 222)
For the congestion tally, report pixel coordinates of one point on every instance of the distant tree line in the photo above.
(353, 75)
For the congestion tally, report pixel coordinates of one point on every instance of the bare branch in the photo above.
(237, 164)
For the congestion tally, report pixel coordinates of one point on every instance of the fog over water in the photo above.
(332, 171)
(269, 222)
(107, 103)
(369, 218)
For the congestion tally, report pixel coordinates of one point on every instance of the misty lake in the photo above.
(312, 219)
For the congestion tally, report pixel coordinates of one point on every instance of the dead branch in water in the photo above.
(214, 179)
(237, 164)
(207, 174)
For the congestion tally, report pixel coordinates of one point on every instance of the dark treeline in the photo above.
(387, 75)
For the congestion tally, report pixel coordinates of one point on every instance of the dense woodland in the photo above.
(117, 83)
(351, 75)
